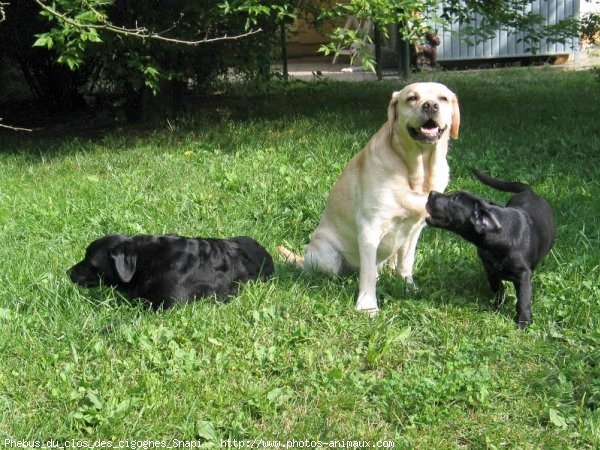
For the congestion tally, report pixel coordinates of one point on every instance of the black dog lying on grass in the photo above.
(167, 269)
(511, 240)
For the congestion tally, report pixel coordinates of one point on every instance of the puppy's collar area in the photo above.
(429, 132)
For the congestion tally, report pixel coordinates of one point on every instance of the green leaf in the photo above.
(5, 314)
(123, 406)
(151, 71)
(206, 430)
(88, 16)
(93, 36)
(95, 401)
(72, 63)
(274, 394)
(325, 50)
(335, 374)
(402, 335)
(557, 419)
(44, 41)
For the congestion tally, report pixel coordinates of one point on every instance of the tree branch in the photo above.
(2, 13)
(13, 128)
(141, 32)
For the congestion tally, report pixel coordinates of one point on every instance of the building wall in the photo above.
(507, 45)
(304, 40)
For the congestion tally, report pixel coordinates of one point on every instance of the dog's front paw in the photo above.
(522, 324)
(411, 286)
(371, 312)
(368, 306)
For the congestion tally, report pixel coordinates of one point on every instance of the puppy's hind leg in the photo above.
(524, 293)
(496, 286)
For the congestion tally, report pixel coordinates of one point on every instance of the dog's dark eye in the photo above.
(443, 98)
(412, 98)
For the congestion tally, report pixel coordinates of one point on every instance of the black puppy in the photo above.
(167, 269)
(511, 240)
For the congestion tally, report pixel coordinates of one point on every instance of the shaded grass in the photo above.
(290, 359)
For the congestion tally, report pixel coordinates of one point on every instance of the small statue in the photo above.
(425, 55)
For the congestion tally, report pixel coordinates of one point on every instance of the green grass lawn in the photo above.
(290, 358)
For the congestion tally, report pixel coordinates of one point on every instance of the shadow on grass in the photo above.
(510, 127)
(279, 102)
(464, 288)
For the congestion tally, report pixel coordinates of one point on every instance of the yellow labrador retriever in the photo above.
(376, 209)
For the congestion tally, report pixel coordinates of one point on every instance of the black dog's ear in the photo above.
(125, 262)
(484, 219)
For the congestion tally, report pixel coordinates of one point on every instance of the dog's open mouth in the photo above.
(86, 283)
(440, 222)
(430, 131)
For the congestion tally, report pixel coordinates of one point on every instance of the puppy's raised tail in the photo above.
(501, 185)
(290, 256)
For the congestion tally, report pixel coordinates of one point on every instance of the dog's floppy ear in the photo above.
(125, 260)
(484, 219)
(455, 118)
(391, 113)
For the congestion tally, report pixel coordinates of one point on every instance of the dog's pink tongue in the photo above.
(430, 132)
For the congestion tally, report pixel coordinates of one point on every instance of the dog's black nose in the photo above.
(430, 107)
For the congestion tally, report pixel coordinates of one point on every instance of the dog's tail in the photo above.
(290, 256)
(501, 185)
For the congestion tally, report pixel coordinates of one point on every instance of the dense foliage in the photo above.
(68, 49)
(76, 49)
